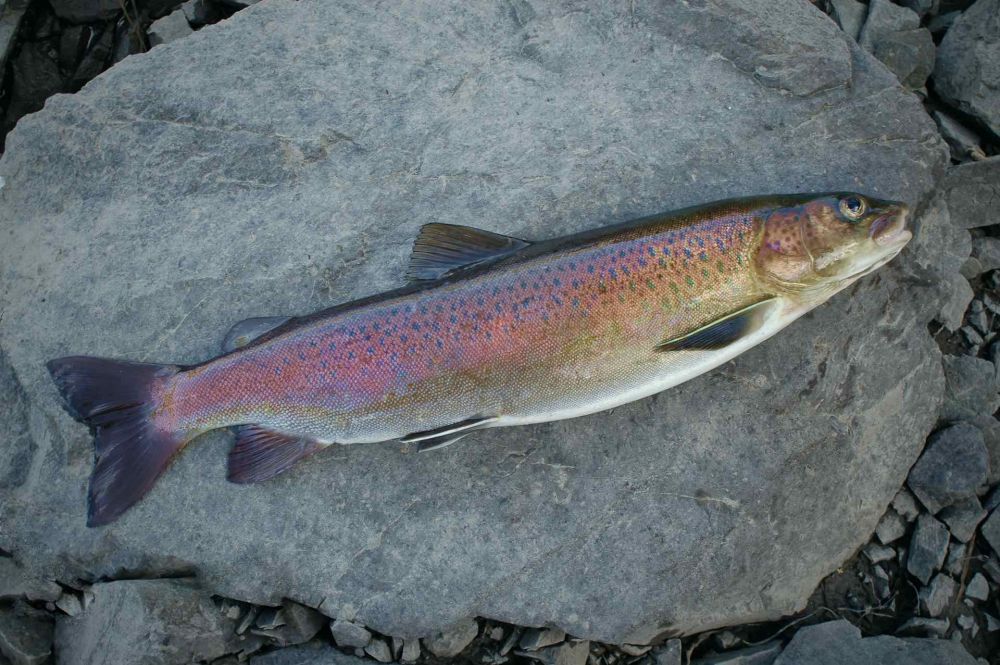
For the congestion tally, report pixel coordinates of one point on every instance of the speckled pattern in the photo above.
(537, 338)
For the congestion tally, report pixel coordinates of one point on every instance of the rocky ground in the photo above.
(845, 507)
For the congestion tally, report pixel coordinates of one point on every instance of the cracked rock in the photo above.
(928, 548)
(349, 634)
(451, 642)
(935, 597)
(953, 465)
(189, 626)
(967, 74)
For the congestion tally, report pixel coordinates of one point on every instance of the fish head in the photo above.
(814, 246)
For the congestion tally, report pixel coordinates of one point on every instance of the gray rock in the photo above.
(942, 22)
(942, 244)
(885, 17)
(838, 642)
(991, 530)
(924, 626)
(537, 638)
(967, 72)
(972, 338)
(909, 54)
(890, 528)
(972, 268)
(86, 11)
(992, 568)
(963, 517)
(171, 27)
(878, 553)
(921, 7)
(963, 142)
(201, 12)
(348, 634)
(670, 653)
(905, 504)
(977, 588)
(294, 180)
(451, 642)
(295, 624)
(11, 15)
(35, 77)
(928, 548)
(971, 189)
(308, 654)
(17, 581)
(955, 462)
(761, 654)
(70, 604)
(187, 626)
(987, 250)
(379, 650)
(881, 582)
(24, 639)
(971, 390)
(992, 623)
(935, 598)
(411, 651)
(850, 16)
(990, 428)
(955, 562)
(569, 653)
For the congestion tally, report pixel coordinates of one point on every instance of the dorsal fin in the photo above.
(442, 249)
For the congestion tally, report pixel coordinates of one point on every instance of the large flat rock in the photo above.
(283, 160)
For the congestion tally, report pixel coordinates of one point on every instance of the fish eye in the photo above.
(852, 207)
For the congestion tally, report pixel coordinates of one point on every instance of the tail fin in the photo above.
(116, 399)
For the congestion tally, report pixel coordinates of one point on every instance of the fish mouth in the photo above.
(889, 230)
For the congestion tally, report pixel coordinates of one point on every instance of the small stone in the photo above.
(962, 518)
(761, 654)
(411, 651)
(953, 465)
(885, 17)
(726, 639)
(971, 336)
(397, 646)
(269, 617)
(955, 562)
(201, 12)
(878, 553)
(964, 145)
(378, 649)
(70, 604)
(977, 588)
(971, 269)
(921, 626)
(349, 634)
(247, 620)
(293, 624)
(511, 640)
(942, 22)
(906, 505)
(928, 548)
(969, 189)
(572, 653)
(991, 530)
(992, 624)
(850, 16)
(921, 7)
(909, 54)
(993, 498)
(25, 640)
(635, 650)
(890, 528)
(170, 28)
(668, 654)
(935, 597)
(539, 638)
(451, 642)
(881, 582)
(965, 621)
(992, 568)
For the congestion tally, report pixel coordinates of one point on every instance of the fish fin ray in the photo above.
(723, 332)
(447, 430)
(436, 442)
(117, 400)
(248, 331)
(442, 249)
(260, 454)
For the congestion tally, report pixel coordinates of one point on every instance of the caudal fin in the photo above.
(116, 399)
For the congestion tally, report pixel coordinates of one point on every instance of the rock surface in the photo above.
(170, 28)
(155, 621)
(967, 72)
(538, 120)
(909, 54)
(954, 463)
(972, 189)
(971, 390)
(24, 640)
(886, 17)
(838, 642)
(928, 548)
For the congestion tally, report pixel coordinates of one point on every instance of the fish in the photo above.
(490, 331)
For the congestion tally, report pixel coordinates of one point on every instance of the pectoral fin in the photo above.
(442, 249)
(441, 436)
(723, 332)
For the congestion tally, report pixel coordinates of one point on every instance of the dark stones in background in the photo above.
(954, 463)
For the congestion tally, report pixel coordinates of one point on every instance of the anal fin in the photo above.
(722, 332)
(260, 454)
(439, 434)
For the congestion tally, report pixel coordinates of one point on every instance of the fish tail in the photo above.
(117, 400)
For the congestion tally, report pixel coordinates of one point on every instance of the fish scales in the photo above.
(493, 331)
(526, 340)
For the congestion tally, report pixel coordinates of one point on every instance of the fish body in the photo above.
(493, 332)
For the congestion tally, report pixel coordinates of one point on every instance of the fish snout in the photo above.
(890, 228)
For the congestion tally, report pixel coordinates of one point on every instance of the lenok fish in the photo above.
(492, 331)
